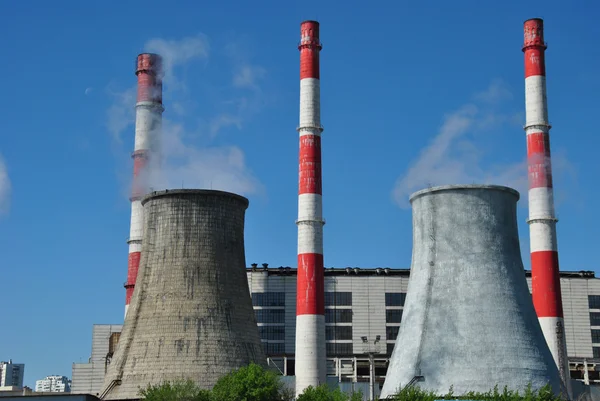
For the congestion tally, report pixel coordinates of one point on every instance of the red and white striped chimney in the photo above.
(310, 305)
(148, 124)
(545, 280)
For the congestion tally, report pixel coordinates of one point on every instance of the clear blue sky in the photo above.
(396, 77)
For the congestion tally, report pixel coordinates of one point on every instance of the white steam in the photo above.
(454, 155)
(179, 160)
(5, 188)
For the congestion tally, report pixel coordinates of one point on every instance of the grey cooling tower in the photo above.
(191, 314)
(468, 319)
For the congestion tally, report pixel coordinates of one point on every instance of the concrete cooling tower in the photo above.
(469, 320)
(191, 314)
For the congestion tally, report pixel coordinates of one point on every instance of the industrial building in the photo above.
(364, 302)
(87, 378)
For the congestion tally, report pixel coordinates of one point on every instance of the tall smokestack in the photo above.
(310, 306)
(542, 221)
(148, 123)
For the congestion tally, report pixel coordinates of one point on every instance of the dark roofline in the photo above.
(385, 271)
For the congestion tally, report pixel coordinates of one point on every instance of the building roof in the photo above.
(371, 271)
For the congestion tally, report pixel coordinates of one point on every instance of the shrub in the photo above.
(324, 393)
(416, 394)
(181, 390)
(250, 383)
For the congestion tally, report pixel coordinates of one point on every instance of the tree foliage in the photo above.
(250, 383)
(180, 390)
(324, 393)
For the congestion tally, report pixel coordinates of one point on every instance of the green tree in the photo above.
(250, 383)
(181, 390)
(324, 393)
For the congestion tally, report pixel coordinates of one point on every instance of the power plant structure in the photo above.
(191, 314)
(469, 322)
(466, 320)
(148, 126)
(310, 310)
(542, 221)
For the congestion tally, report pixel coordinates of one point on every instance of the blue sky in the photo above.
(412, 93)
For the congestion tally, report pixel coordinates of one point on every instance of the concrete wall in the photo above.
(191, 313)
(469, 321)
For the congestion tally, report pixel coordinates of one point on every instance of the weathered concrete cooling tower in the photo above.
(468, 320)
(191, 314)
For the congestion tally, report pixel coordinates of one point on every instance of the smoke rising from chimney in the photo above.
(186, 155)
(5, 188)
(455, 155)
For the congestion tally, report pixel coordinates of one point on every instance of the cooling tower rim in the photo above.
(196, 192)
(466, 187)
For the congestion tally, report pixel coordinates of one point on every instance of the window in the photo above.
(338, 316)
(390, 348)
(393, 315)
(594, 318)
(276, 333)
(391, 332)
(274, 348)
(594, 301)
(338, 332)
(338, 299)
(339, 349)
(268, 298)
(270, 315)
(596, 352)
(395, 298)
(596, 336)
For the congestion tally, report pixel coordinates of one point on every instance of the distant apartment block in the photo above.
(53, 384)
(11, 374)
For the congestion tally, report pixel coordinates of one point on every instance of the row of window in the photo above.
(332, 333)
(273, 333)
(338, 315)
(391, 332)
(594, 301)
(395, 298)
(594, 318)
(338, 299)
(278, 299)
(331, 316)
(270, 315)
(274, 348)
(393, 315)
(339, 349)
(331, 298)
(338, 333)
(268, 298)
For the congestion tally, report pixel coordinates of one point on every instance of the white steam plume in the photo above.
(184, 163)
(5, 188)
(454, 156)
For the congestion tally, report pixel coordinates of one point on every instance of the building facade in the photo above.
(88, 378)
(53, 384)
(363, 314)
(11, 374)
